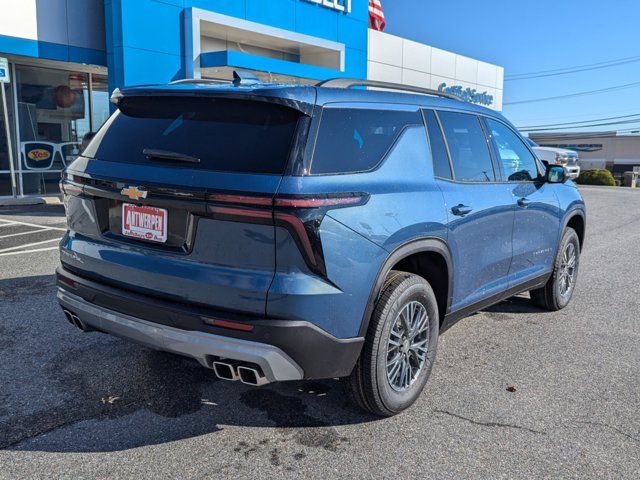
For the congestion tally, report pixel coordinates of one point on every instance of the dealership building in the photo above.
(617, 152)
(64, 57)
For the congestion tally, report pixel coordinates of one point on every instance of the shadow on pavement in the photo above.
(120, 396)
(98, 393)
(519, 304)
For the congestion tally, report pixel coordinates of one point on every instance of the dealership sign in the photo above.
(339, 5)
(467, 94)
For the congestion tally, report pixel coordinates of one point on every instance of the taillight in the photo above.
(315, 202)
(71, 184)
(243, 199)
(300, 215)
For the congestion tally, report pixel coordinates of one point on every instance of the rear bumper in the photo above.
(284, 349)
(204, 347)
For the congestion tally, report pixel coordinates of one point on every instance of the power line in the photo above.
(575, 69)
(584, 125)
(588, 136)
(580, 121)
(578, 94)
(578, 117)
(635, 120)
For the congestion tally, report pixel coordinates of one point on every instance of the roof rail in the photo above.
(354, 82)
(199, 80)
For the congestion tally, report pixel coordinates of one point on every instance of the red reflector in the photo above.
(227, 324)
(67, 281)
(315, 202)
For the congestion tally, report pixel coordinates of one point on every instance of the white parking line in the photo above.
(29, 251)
(18, 247)
(25, 233)
(15, 222)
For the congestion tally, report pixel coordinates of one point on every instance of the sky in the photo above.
(536, 36)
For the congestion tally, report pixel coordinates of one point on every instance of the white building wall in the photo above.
(79, 23)
(399, 60)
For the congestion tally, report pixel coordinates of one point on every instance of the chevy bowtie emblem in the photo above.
(134, 193)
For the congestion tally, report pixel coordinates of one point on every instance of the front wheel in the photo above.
(558, 290)
(400, 346)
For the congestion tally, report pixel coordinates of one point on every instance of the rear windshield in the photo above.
(225, 134)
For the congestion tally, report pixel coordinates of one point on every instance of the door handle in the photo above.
(523, 202)
(461, 210)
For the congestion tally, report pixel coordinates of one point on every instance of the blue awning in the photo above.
(231, 58)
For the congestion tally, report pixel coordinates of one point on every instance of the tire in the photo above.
(555, 295)
(371, 385)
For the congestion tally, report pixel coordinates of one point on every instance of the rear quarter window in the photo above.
(356, 139)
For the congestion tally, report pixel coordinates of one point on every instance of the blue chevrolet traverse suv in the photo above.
(282, 232)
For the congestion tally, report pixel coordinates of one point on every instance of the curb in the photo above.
(31, 200)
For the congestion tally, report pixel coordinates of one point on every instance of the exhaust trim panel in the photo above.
(276, 365)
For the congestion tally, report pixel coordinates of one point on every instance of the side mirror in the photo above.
(556, 174)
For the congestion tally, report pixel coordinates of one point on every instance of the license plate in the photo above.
(145, 223)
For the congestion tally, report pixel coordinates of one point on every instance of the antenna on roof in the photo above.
(241, 77)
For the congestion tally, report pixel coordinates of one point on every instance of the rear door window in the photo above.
(225, 134)
(468, 147)
(356, 139)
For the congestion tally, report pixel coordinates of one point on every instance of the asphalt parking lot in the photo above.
(89, 405)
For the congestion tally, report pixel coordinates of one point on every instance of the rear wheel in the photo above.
(400, 347)
(558, 290)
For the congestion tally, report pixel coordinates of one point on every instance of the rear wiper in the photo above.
(168, 155)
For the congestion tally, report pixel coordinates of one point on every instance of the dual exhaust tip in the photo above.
(235, 371)
(74, 320)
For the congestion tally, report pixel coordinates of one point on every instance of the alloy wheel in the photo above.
(407, 346)
(566, 279)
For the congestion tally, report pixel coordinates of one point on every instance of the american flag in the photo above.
(376, 15)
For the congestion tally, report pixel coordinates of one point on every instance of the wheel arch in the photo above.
(576, 219)
(431, 246)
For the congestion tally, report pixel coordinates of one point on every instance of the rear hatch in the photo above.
(158, 201)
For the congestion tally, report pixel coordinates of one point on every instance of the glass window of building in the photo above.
(53, 116)
(5, 169)
(99, 101)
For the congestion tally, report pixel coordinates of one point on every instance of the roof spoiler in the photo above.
(303, 100)
(240, 78)
(355, 82)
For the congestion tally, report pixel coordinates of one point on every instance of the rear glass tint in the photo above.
(441, 167)
(356, 139)
(225, 134)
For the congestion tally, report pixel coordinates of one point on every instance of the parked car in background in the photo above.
(558, 156)
(279, 232)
